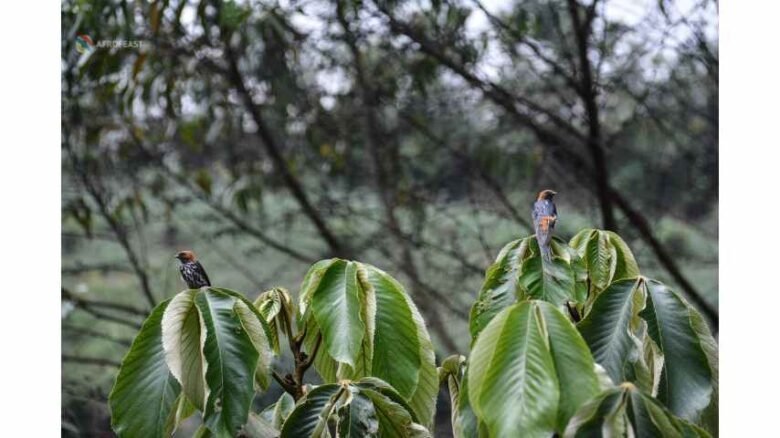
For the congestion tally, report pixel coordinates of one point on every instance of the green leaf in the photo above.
(358, 419)
(628, 411)
(309, 285)
(182, 342)
(276, 307)
(519, 273)
(529, 371)
(552, 282)
(253, 327)
(183, 409)
(451, 373)
(394, 419)
(514, 387)
(687, 378)
(276, 413)
(365, 408)
(310, 416)
(403, 352)
(393, 343)
(608, 332)
(606, 256)
(709, 417)
(600, 255)
(465, 423)
(625, 264)
(231, 360)
(499, 290)
(145, 392)
(669, 350)
(571, 356)
(336, 307)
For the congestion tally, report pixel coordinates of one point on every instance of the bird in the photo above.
(192, 271)
(545, 215)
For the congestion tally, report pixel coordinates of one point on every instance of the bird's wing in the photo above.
(538, 211)
(203, 272)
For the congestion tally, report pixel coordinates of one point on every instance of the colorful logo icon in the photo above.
(84, 44)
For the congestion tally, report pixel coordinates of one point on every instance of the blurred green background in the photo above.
(409, 135)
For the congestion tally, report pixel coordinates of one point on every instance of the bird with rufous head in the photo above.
(545, 215)
(192, 271)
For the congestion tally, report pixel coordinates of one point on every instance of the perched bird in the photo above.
(544, 216)
(192, 271)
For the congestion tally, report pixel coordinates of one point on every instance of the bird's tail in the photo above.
(546, 252)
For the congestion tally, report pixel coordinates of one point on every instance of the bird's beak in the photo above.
(554, 193)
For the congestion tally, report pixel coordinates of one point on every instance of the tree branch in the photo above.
(90, 361)
(274, 152)
(588, 93)
(96, 334)
(69, 296)
(80, 304)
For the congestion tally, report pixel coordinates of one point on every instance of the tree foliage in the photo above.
(638, 360)
(270, 135)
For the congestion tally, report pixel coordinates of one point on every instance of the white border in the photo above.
(749, 244)
(30, 218)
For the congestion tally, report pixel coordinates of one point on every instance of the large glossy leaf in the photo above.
(395, 421)
(552, 282)
(500, 288)
(145, 393)
(571, 356)
(394, 344)
(403, 352)
(336, 307)
(182, 342)
(358, 419)
(310, 416)
(231, 362)
(606, 256)
(519, 273)
(364, 408)
(512, 380)
(309, 285)
(688, 379)
(608, 329)
(641, 331)
(528, 372)
(625, 411)
(255, 325)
